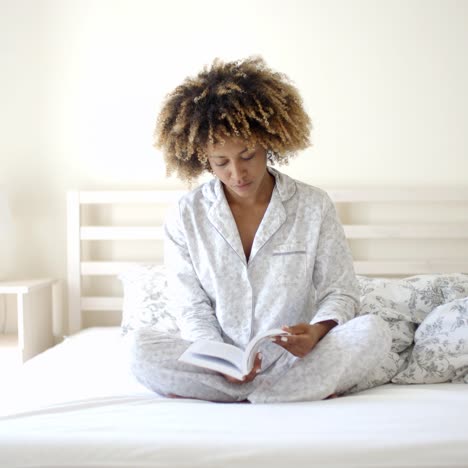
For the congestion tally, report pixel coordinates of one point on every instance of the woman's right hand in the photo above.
(257, 367)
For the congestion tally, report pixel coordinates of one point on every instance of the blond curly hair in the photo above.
(243, 98)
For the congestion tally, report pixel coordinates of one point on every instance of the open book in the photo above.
(226, 358)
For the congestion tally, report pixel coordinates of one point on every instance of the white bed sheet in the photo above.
(78, 406)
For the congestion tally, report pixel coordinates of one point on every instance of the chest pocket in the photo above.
(289, 263)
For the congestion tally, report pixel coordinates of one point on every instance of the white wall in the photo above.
(81, 82)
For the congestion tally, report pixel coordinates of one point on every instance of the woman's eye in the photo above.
(225, 163)
(248, 158)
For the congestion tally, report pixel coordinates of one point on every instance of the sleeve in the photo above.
(336, 286)
(188, 301)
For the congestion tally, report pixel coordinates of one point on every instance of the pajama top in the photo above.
(300, 267)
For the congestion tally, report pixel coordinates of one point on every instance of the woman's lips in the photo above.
(242, 186)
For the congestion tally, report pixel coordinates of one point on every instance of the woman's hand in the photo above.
(303, 337)
(257, 367)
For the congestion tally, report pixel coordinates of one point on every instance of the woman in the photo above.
(253, 249)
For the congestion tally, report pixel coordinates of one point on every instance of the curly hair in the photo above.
(243, 98)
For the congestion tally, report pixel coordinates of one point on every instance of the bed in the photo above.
(78, 405)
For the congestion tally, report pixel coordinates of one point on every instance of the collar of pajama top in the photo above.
(275, 216)
(299, 270)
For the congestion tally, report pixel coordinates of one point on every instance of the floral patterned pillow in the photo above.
(440, 352)
(409, 298)
(145, 300)
(454, 286)
(405, 303)
(402, 303)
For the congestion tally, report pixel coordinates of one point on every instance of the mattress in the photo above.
(77, 405)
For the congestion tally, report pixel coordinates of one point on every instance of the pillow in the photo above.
(454, 286)
(408, 299)
(145, 299)
(440, 352)
(405, 303)
(402, 303)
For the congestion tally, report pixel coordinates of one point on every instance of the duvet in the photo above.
(428, 319)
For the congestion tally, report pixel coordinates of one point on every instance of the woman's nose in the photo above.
(237, 171)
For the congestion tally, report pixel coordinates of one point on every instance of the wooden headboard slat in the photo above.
(364, 235)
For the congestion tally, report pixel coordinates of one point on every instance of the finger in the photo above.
(256, 369)
(233, 379)
(283, 341)
(258, 363)
(294, 344)
(297, 329)
(288, 340)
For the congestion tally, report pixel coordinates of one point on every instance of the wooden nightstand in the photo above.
(34, 307)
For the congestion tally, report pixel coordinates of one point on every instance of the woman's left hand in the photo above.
(303, 337)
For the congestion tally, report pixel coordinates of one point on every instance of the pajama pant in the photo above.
(341, 360)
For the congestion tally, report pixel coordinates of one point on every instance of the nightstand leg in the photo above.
(20, 312)
(35, 332)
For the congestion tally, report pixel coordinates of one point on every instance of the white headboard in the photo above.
(391, 232)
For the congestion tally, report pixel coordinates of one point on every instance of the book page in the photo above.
(252, 347)
(205, 351)
(213, 363)
(217, 349)
(227, 358)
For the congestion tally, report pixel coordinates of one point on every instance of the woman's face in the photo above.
(242, 170)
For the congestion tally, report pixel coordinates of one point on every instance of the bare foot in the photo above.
(173, 395)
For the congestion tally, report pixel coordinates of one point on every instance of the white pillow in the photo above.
(145, 299)
(440, 352)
